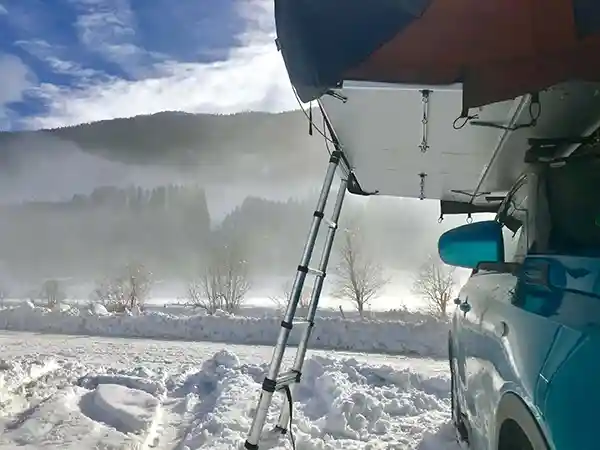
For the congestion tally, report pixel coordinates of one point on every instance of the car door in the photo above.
(485, 288)
(515, 341)
(568, 293)
(473, 298)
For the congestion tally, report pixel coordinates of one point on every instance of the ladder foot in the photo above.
(280, 430)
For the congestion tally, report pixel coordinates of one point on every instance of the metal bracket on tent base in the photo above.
(547, 149)
(337, 95)
(451, 207)
(354, 187)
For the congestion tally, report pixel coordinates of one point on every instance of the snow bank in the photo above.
(340, 404)
(424, 337)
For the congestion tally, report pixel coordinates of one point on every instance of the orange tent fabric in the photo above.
(498, 49)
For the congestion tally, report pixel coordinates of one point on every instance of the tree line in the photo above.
(169, 230)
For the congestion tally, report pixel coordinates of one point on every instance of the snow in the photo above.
(419, 335)
(79, 377)
(98, 309)
(123, 408)
(77, 392)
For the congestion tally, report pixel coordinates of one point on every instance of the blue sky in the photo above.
(64, 62)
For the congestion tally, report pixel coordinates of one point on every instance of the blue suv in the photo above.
(524, 345)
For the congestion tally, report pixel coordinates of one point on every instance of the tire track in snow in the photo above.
(195, 394)
(27, 384)
(192, 401)
(18, 380)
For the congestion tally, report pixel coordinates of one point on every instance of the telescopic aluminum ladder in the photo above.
(274, 381)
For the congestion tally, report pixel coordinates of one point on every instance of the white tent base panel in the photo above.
(410, 141)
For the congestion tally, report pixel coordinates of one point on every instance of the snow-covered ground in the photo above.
(78, 392)
(412, 334)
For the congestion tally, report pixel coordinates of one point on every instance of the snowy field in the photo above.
(78, 392)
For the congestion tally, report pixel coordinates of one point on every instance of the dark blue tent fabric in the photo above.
(321, 39)
(587, 17)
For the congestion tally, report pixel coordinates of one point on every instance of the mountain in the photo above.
(243, 146)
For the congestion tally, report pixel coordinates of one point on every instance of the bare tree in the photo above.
(205, 294)
(51, 293)
(435, 283)
(224, 283)
(111, 293)
(281, 301)
(359, 278)
(127, 291)
(137, 285)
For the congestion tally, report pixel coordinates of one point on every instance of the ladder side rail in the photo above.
(284, 416)
(270, 381)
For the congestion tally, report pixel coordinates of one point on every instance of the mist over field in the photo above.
(78, 203)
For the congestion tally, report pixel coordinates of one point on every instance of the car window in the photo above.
(514, 218)
(572, 191)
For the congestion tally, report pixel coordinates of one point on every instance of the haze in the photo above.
(79, 202)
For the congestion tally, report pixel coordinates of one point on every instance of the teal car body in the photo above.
(524, 344)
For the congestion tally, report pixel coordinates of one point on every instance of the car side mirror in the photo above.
(472, 244)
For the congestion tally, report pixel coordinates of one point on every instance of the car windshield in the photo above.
(573, 192)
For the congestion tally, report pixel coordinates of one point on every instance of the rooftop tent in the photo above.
(497, 49)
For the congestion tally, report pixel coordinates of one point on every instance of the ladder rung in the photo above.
(286, 378)
(316, 272)
(331, 224)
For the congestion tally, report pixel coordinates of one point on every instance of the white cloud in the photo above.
(108, 28)
(16, 79)
(252, 78)
(49, 54)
